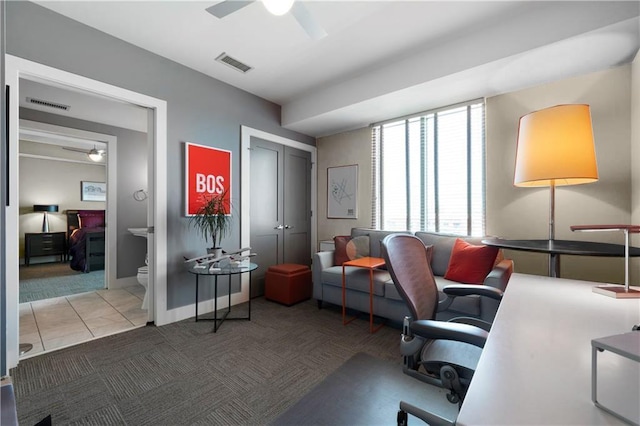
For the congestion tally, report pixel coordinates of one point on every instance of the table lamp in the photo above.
(46, 208)
(555, 148)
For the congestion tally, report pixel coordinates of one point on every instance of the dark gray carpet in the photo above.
(365, 390)
(248, 373)
(49, 280)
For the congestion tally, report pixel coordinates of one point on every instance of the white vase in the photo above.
(215, 251)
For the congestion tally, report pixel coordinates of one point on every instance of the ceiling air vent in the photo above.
(233, 63)
(48, 104)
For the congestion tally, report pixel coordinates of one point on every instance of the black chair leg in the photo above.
(402, 418)
(319, 304)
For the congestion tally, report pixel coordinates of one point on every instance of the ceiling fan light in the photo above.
(95, 155)
(278, 7)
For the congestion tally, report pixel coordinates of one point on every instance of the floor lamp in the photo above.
(555, 148)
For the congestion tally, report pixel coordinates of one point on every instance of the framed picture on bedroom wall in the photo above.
(93, 191)
(342, 192)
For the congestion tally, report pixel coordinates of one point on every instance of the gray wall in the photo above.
(200, 110)
(131, 176)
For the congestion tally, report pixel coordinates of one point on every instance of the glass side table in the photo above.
(215, 273)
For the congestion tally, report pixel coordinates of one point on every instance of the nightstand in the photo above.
(45, 244)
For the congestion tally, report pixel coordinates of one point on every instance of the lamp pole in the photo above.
(554, 259)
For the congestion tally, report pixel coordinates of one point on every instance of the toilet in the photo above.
(143, 271)
(143, 278)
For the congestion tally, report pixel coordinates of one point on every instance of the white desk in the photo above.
(536, 365)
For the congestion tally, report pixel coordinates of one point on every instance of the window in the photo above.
(428, 171)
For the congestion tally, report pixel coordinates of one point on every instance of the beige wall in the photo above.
(53, 182)
(635, 142)
(523, 212)
(341, 150)
(635, 159)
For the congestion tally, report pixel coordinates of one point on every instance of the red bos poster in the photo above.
(208, 173)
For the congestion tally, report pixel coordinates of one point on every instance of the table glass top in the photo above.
(225, 270)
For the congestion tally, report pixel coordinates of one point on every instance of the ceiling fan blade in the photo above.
(227, 7)
(68, 148)
(307, 22)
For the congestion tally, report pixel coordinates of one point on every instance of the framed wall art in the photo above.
(207, 172)
(93, 191)
(342, 192)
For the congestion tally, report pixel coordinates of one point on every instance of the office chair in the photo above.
(440, 353)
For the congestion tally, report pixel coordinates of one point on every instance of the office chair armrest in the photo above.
(431, 329)
(471, 289)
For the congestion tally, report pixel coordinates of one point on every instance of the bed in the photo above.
(86, 239)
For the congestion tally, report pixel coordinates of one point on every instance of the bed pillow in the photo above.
(470, 264)
(91, 218)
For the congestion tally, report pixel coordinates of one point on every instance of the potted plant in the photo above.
(213, 220)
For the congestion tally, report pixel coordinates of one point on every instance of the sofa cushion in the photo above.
(470, 264)
(356, 279)
(340, 251)
(375, 238)
(466, 305)
(442, 247)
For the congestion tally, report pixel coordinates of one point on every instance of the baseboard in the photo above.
(204, 307)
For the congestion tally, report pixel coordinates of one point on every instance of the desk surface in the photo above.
(579, 248)
(536, 365)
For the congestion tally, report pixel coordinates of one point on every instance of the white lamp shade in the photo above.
(556, 146)
(278, 7)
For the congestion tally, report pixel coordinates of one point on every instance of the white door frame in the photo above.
(39, 132)
(246, 133)
(17, 68)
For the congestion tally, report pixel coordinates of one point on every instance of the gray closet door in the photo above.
(280, 207)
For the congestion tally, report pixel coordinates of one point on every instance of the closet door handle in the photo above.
(288, 227)
(279, 227)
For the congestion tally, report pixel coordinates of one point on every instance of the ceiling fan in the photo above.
(276, 7)
(93, 154)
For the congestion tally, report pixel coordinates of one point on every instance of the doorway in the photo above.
(263, 155)
(17, 68)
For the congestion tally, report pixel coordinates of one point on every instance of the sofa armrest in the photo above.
(321, 261)
(500, 274)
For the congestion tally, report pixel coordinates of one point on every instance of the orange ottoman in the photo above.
(288, 283)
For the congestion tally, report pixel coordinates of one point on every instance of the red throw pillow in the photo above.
(340, 252)
(470, 264)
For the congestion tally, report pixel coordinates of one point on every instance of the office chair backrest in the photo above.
(407, 260)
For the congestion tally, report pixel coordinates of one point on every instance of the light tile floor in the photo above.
(69, 320)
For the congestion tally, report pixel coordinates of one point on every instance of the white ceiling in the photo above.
(381, 59)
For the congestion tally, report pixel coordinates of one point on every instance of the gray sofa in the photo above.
(387, 303)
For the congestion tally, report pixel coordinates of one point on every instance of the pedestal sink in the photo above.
(139, 232)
